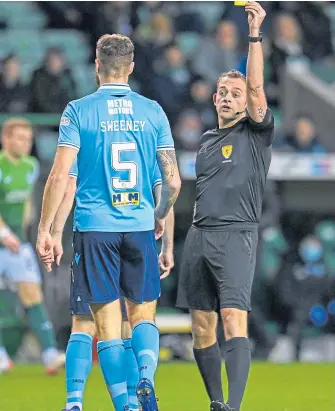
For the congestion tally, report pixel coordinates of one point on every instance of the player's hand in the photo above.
(256, 15)
(11, 242)
(159, 227)
(166, 263)
(57, 249)
(44, 248)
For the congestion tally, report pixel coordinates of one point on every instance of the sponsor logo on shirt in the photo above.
(120, 107)
(125, 199)
(17, 196)
(64, 121)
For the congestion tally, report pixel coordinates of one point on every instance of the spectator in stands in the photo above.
(151, 38)
(158, 33)
(200, 100)
(218, 55)
(301, 284)
(14, 95)
(287, 43)
(172, 80)
(188, 130)
(304, 139)
(113, 17)
(52, 85)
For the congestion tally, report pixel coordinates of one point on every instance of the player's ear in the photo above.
(131, 67)
(214, 98)
(97, 65)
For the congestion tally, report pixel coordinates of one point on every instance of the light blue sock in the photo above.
(77, 368)
(145, 343)
(112, 361)
(133, 375)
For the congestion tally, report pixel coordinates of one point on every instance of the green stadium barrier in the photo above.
(36, 119)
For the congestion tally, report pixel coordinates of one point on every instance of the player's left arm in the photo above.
(256, 99)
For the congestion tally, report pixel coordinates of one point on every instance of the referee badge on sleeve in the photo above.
(226, 151)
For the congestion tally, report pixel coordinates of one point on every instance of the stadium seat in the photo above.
(85, 78)
(72, 42)
(210, 12)
(326, 232)
(324, 71)
(22, 15)
(276, 116)
(26, 44)
(188, 42)
(4, 46)
(273, 246)
(30, 21)
(27, 68)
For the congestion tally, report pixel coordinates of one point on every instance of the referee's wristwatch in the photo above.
(257, 39)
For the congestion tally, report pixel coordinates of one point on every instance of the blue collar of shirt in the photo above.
(112, 87)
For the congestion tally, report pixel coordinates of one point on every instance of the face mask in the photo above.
(311, 253)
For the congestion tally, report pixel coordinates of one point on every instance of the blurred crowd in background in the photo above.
(180, 50)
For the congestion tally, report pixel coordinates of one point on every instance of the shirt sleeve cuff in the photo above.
(71, 145)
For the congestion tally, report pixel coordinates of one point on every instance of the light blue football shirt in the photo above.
(117, 133)
(157, 177)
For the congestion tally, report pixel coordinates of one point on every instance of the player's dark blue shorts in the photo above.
(106, 263)
(78, 307)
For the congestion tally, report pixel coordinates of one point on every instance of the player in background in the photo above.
(18, 174)
(117, 136)
(79, 353)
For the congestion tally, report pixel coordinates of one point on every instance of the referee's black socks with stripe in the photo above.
(209, 364)
(237, 359)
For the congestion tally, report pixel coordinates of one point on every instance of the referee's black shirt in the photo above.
(231, 168)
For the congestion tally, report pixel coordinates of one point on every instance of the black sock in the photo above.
(209, 364)
(238, 359)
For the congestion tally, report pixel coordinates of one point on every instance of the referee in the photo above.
(220, 249)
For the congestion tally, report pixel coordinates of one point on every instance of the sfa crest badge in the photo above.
(226, 151)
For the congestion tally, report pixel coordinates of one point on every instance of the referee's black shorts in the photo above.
(217, 270)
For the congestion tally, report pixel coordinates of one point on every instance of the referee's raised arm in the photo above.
(256, 100)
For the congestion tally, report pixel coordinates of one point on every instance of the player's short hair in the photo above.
(232, 74)
(10, 124)
(115, 52)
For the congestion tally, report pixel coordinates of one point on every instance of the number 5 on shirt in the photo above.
(119, 165)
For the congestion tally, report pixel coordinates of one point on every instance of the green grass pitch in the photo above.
(293, 387)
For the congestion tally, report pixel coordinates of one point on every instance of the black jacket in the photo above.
(50, 93)
(13, 99)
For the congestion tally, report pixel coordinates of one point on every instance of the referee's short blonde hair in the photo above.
(232, 74)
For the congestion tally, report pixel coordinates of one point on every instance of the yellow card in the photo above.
(240, 3)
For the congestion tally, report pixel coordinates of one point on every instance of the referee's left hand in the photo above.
(256, 15)
(166, 263)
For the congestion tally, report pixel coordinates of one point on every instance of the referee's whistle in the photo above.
(240, 3)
